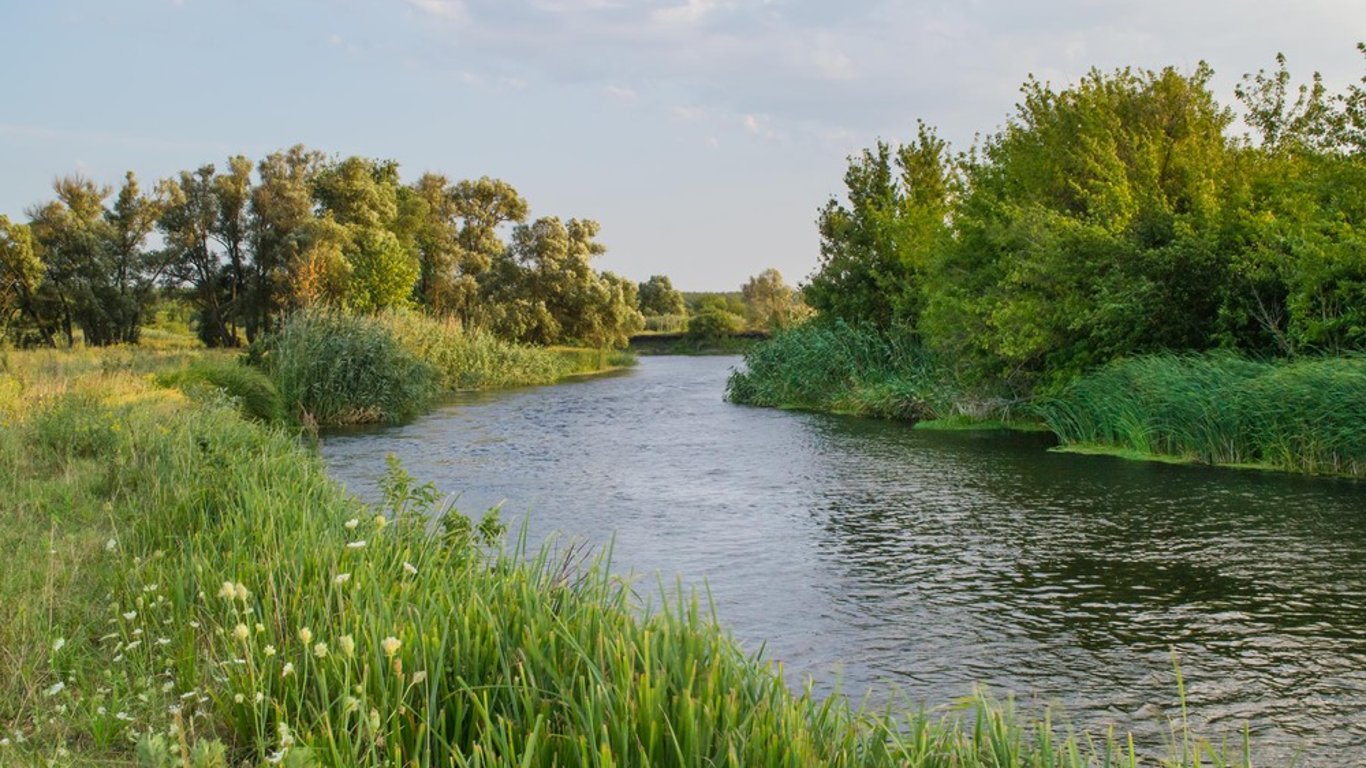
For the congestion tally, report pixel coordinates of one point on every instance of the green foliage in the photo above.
(875, 249)
(1302, 415)
(844, 368)
(471, 359)
(712, 323)
(771, 303)
(332, 368)
(1110, 218)
(251, 389)
(544, 290)
(658, 297)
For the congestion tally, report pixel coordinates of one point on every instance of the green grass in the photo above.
(841, 369)
(1301, 415)
(333, 369)
(192, 581)
(251, 389)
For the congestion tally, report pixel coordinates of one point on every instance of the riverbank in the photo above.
(681, 343)
(182, 571)
(1299, 415)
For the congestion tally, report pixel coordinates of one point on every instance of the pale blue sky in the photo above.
(702, 134)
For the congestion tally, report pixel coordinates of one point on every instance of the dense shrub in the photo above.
(332, 368)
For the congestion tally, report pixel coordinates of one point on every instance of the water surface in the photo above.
(882, 558)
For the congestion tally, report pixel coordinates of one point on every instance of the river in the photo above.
(891, 561)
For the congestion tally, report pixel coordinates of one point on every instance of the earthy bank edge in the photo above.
(190, 581)
(1300, 414)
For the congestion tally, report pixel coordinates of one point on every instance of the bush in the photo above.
(335, 369)
(712, 323)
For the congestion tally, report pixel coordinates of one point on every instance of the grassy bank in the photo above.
(334, 369)
(1302, 415)
(187, 587)
(1298, 415)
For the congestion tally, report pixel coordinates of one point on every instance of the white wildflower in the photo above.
(58, 644)
(129, 616)
(390, 645)
(305, 635)
(288, 670)
(228, 591)
(341, 578)
(239, 698)
(347, 645)
(269, 650)
(260, 697)
(320, 650)
(357, 544)
(419, 676)
(351, 524)
(111, 545)
(380, 522)
(241, 632)
(55, 688)
(409, 568)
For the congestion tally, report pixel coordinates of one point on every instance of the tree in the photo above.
(98, 273)
(658, 297)
(280, 215)
(875, 248)
(770, 302)
(544, 290)
(1090, 228)
(21, 274)
(189, 222)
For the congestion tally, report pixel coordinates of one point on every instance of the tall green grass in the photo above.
(1303, 415)
(841, 368)
(193, 582)
(251, 389)
(334, 368)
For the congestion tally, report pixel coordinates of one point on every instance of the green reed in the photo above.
(1303, 414)
(842, 368)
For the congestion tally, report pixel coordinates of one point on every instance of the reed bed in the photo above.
(841, 368)
(1303, 415)
(334, 369)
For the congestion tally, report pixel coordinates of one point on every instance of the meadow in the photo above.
(187, 587)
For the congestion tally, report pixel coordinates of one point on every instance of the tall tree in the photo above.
(281, 214)
(21, 274)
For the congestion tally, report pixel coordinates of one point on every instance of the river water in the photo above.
(895, 562)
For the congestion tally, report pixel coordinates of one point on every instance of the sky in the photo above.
(703, 135)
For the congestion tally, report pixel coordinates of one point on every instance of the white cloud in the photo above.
(450, 10)
(620, 92)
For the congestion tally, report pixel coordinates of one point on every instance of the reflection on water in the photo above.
(889, 559)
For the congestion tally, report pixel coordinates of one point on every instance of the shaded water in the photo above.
(919, 562)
